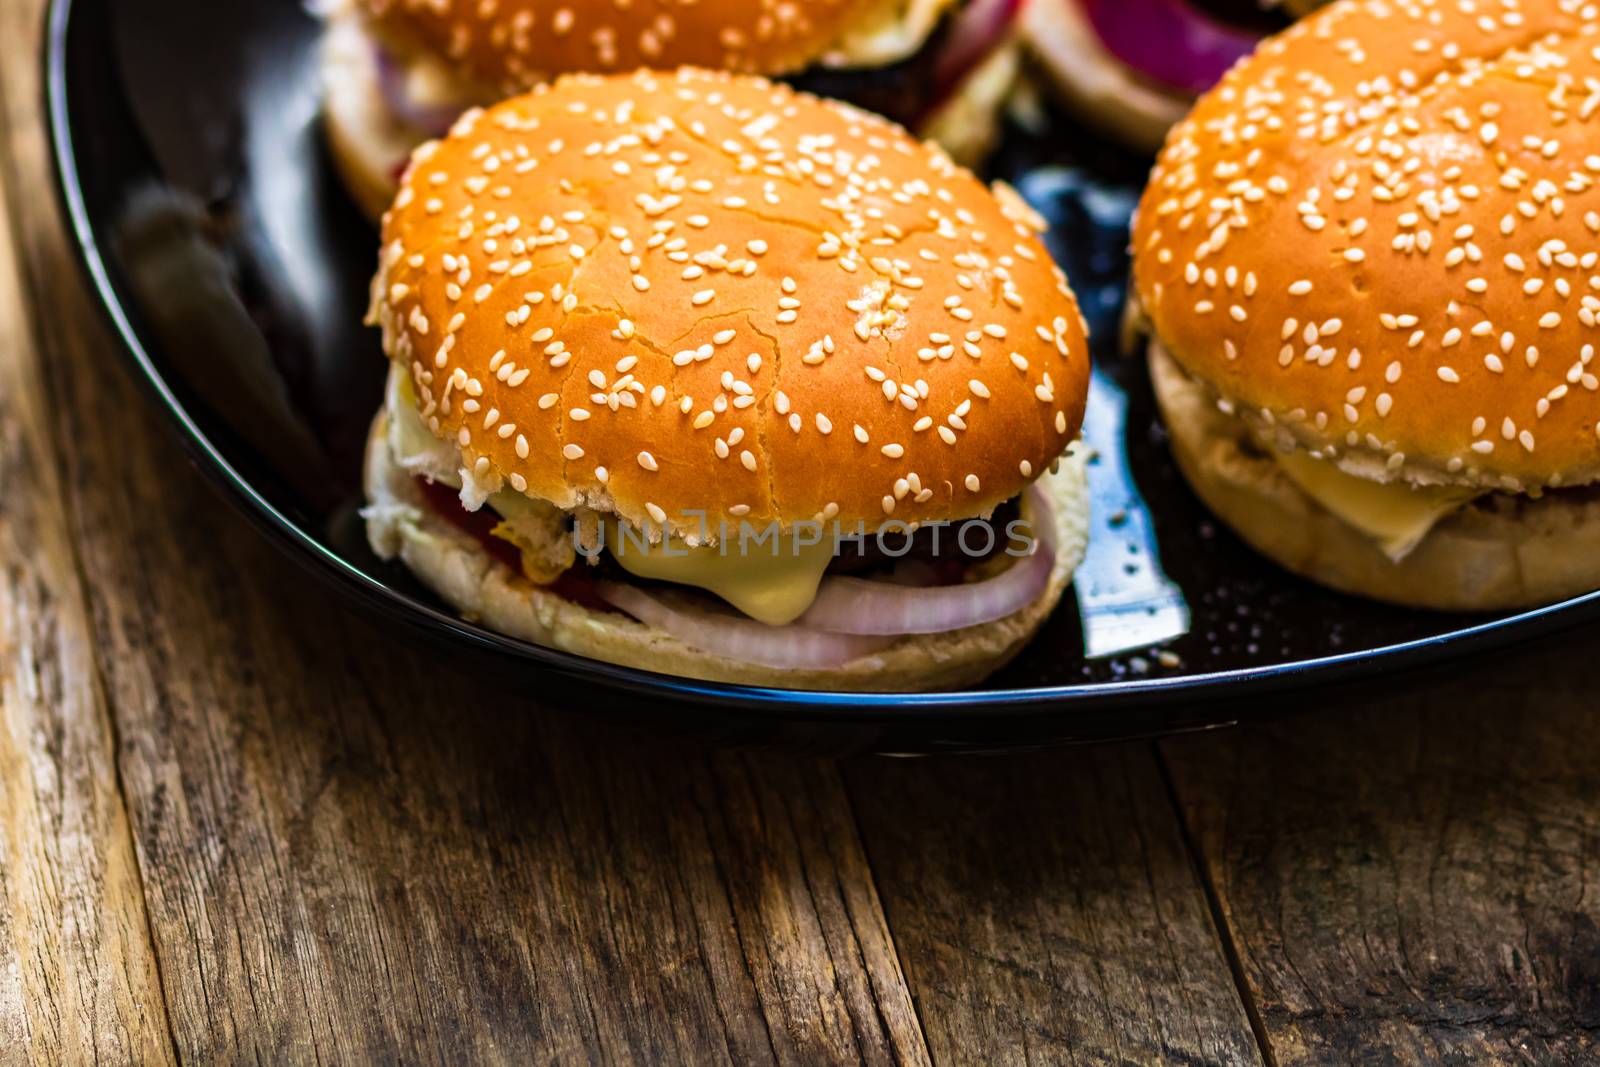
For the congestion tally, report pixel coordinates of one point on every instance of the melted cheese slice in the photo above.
(413, 445)
(1395, 515)
(773, 582)
(537, 528)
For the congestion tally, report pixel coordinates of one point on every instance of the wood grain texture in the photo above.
(239, 824)
(351, 855)
(77, 974)
(353, 858)
(78, 981)
(1046, 911)
(1410, 882)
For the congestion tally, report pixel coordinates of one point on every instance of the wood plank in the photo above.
(354, 855)
(78, 978)
(1046, 911)
(351, 856)
(1409, 882)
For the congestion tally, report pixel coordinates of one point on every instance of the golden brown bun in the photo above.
(661, 293)
(400, 525)
(1503, 552)
(517, 44)
(1378, 233)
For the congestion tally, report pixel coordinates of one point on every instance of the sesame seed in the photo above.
(505, 217)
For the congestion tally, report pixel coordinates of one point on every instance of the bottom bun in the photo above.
(368, 144)
(400, 525)
(1501, 552)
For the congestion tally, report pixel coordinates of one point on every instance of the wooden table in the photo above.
(238, 825)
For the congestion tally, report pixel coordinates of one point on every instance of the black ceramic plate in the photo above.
(235, 270)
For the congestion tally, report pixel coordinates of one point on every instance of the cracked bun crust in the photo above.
(400, 524)
(659, 294)
(516, 44)
(1501, 553)
(1377, 239)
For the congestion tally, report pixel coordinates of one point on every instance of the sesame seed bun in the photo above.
(1503, 552)
(370, 144)
(662, 294)
(517, 44)
(401, 525)
(1375, 240)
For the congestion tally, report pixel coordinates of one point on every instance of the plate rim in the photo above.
(843, 707)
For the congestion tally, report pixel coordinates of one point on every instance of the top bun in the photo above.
(513, 45)
(652, 293)
(1376, 239)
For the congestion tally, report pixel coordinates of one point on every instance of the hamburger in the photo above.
(1133, 68)
(398, 72)
(1367, 262)
(696, 373)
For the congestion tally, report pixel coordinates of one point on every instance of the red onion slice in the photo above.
(861, 607)
(976, 31)
(738, 638)
(434, 120)
(1169, 41)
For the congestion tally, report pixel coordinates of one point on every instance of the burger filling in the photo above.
(855, 586)
(775, 586)
(939, 61)
(896, 34)
(1182, 45)
(1396, 516)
